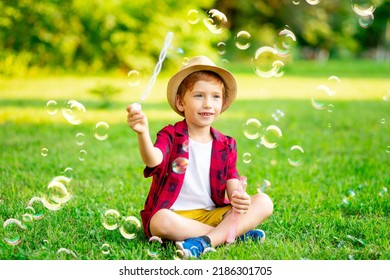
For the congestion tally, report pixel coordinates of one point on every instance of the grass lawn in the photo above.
(331, 201)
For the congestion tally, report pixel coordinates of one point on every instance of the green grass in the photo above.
(344, 150)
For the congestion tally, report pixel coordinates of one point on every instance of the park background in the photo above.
(311, 121)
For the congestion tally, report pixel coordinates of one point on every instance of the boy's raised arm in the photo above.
(138, 122)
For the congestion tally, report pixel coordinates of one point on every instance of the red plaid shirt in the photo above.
(167, 184)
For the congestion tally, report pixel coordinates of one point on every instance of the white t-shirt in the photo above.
(195, 192)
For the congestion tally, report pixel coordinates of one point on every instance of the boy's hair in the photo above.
(204, 75)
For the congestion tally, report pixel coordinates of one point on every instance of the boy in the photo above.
(194, 166)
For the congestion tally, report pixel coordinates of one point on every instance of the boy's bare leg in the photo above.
(261, 208)
(168, 225)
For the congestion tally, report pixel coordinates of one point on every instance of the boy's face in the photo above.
(202, 104)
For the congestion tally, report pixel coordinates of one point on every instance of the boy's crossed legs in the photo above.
(169, 225)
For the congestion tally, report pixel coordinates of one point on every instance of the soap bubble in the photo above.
(285, 42)
(44, 152)
(266, 63)
(277, 115)
(251, 128)
(247, 158)
(363, 7)
(193, 16)
(221, 48)
(179, 165)
(134, 78)
(154, 249)
(66, 253)
(82, 155)
(37, 207)
(80, 138)
(110, 219)
(73, 111)
(297, 152)
(51, 107)
(216, 21)
(242, 40)
(313, 2)
(271, 136)
(12, 229)
(129, 226)
(106, 249)
(383, 191)
(100, 131)
(264, 186)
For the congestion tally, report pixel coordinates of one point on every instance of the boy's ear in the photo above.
(179, 104)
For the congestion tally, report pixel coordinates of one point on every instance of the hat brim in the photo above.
(227, 77)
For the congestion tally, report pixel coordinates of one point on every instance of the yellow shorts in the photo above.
(210, 217)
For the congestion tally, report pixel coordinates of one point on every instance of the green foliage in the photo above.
(91, 36)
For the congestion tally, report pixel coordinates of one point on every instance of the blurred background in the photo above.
(120, 35)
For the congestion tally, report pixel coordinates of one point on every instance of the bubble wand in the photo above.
(232, 232)
(157, 69)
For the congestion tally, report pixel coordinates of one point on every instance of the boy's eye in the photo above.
(217, 96)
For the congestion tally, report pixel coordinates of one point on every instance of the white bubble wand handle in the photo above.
(157, 69)
(232, 232)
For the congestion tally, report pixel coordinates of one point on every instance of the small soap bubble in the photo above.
(36, 208)
(266, 63)
(110, 219)
(64, 253)
(193, 16)
(363, 7)
(51, 107)
(277, 115)
(221, 48)
(28, 218)
(100, 131)
(68, 172)
(386, 97)
(349, 197)
(264, 186)
(82, 155)
(313, 2)
(134, 78)
(383, 191)
(129, 226)
(388, 149)
(366, 21)
(216, 21)
(155, 244)
(295, 2)
(285, 41)
(185, 146)
(252, 128)
(12, 229)
(44, 152)
(80, 138)
(57, 190)
(185, 61)
(330, 108)
(271, 137)
(179, 165)
(296, 158)
(179, 255)
(242, 40)
(383, 121)
(73, 111)
(247, 158)
(106, 249)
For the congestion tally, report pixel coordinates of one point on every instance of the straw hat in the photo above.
(201, 63)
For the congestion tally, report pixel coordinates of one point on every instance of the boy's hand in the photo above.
(136, 119)
(240, 201)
